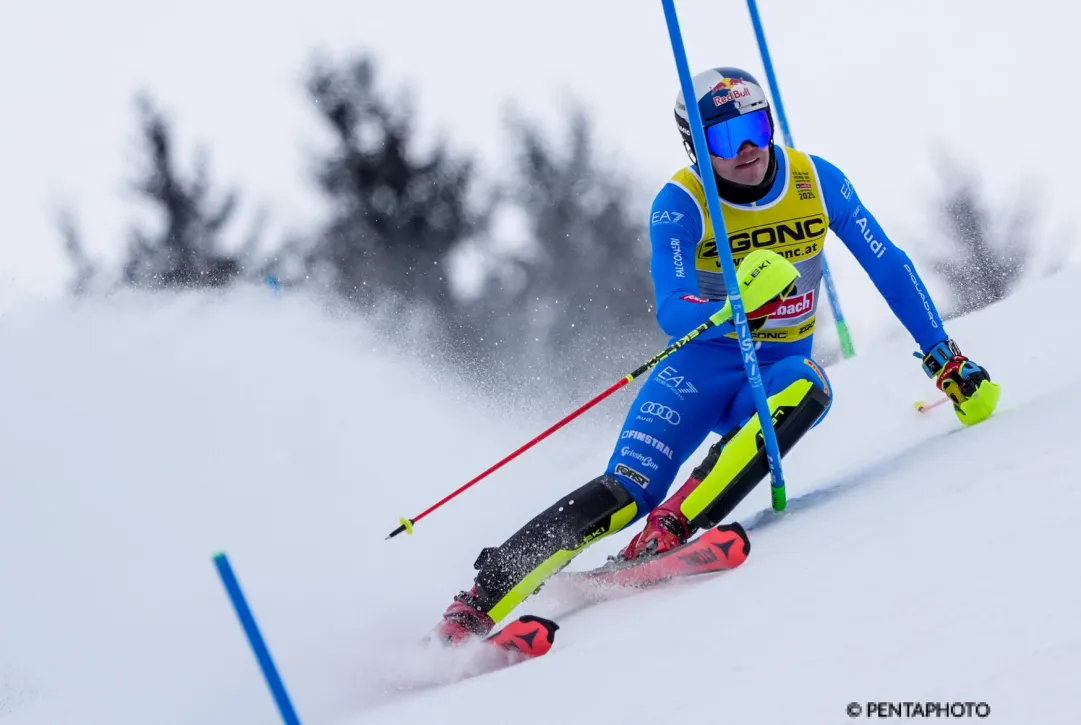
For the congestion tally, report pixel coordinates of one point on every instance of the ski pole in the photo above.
(762, 276)
(924, 407)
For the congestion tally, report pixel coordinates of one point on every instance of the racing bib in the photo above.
(794, 225)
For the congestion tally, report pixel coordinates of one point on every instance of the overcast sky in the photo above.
(876, 88)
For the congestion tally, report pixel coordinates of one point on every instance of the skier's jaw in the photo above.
(747, 168)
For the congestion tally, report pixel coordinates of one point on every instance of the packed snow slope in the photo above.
(918, 560)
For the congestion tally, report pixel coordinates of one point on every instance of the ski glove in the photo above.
(757, 317)
(964, 382)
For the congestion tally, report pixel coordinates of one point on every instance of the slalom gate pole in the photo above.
(255, 639)
(764, 275)
(724, 253)
(831, 290)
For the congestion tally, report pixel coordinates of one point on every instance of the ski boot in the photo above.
(734, 465)
(463, 620)
(665, 529)
(666, 526)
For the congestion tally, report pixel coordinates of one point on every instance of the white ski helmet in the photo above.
(722, 94)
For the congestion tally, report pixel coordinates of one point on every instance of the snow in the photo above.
(919, 560)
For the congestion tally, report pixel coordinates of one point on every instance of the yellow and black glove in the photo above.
(964, 382)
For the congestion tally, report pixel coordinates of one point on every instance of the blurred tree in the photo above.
(188, 249)
(580, 291)
(85, 270)
(396, 214)
(986, 253)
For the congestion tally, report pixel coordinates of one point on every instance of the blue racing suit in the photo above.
(702, 387)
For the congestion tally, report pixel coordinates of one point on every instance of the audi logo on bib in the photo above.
(661, 411)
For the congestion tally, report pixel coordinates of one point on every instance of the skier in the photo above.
(773, 197)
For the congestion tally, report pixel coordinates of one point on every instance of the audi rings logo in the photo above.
(661, 411)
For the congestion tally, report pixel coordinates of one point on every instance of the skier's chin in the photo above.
(750, 173)
(747, 170)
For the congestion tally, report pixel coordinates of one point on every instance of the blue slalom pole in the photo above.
(831, 291)
(262, 654)
(724, 253)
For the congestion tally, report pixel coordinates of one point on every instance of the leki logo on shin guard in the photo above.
(777, 417)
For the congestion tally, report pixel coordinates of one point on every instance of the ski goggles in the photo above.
(724, 139)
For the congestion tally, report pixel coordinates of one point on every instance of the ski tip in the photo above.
(548, 625)
(733, 542)
(530, 635)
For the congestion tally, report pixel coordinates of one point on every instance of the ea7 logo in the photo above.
(664, 217)
(670, 378)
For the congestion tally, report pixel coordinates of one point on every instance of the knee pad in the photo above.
(511, 572)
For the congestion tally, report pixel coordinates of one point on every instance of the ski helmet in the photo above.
(722, 94)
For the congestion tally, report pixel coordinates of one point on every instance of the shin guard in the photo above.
(511, 572)
(734, 468)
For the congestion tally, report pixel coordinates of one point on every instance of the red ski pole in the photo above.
(763, 274)
(924, 407)
(407, 524)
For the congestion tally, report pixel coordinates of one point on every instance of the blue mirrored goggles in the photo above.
(725, 139)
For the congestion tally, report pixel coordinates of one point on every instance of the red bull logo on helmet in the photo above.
(730, 89)
(725, 84)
